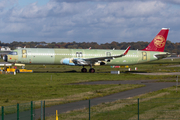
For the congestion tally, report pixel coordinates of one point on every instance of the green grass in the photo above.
(154, 105)
(1, 60)
(28, 87)
(162, 104)
(52, 82)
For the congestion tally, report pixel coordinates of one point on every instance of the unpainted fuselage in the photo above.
(65, 56)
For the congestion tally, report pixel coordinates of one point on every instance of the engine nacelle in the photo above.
(67, 61)
(102, 63)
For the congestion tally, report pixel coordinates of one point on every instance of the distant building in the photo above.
(4, 48)
(18, 47)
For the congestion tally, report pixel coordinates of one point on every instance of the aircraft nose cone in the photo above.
(5, 58)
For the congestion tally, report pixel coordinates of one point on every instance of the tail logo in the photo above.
(159, 41)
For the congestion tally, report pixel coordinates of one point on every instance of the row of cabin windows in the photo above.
(78, 54)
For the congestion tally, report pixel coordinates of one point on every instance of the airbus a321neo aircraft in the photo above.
(91, 57)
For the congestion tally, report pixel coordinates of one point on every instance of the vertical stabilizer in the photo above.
(158, 43)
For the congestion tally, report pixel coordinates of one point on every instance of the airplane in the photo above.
(91, 57)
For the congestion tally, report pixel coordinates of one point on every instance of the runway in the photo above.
(151, 86)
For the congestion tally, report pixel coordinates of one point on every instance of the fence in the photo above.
(18, 112)
(123, 109)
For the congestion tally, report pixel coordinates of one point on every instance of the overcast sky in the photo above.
(98, 21)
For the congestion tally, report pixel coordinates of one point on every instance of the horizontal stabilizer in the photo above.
(160, 56)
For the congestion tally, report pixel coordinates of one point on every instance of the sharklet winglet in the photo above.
(126, 51)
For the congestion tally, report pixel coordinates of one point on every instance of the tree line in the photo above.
(170, 47)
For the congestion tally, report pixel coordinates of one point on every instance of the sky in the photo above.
(101, 21)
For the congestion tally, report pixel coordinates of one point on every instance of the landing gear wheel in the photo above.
(91, 70)
(17, 70)
(84, 70)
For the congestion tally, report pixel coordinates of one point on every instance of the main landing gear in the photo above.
(84, 70)
(91, 70)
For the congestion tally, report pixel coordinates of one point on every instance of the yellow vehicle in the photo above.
(9, 69)
(1, 69)
(25, 71)
(14, 69)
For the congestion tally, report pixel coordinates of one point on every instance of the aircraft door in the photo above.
(108, 53)
(79, 54)
(24, 56)
(144, 55)
(24, 53)
(29, 56)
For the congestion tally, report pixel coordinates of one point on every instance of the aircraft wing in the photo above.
(88, 61)
(107, 57)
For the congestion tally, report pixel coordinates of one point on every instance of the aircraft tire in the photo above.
(84, 70)
(92, 70)
(17, 70)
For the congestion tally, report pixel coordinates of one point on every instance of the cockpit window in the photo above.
(13, 53)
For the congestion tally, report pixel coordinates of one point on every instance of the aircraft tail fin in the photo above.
(158, 43)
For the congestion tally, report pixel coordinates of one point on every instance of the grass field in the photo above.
(162, 104)
(42, 86)
(26, 87)
(52, 82)
(1, 60)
